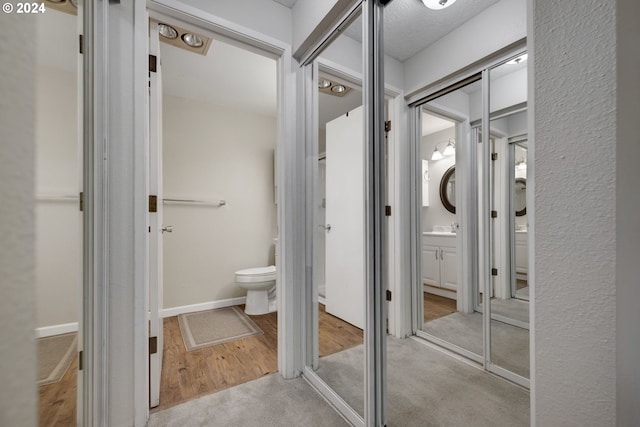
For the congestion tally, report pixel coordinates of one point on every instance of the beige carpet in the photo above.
(211, 327)
(55, 354)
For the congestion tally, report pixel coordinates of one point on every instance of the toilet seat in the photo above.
(258, 274)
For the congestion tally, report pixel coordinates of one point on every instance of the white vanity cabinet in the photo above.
(440, 260)
(522, 254)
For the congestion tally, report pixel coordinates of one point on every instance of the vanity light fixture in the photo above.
(518, 59)
(450, 149)
(438, 4)
(167, 31)
(437, 155)
(192, 40)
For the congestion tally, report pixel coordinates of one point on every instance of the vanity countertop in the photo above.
(439, 233)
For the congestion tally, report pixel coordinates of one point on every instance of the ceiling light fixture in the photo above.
(518, 59)
(438, 4)
(192, 40)
(324, 83)
(338, 88)
(167, 31)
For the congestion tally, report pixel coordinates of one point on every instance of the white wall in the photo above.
(506, 91)
(58, 223)
(212, 153)
(494, 28)
(435, 213)
(18, 398)
(574, 43)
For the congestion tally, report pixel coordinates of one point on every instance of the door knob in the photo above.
(326, 227)
(167, 228)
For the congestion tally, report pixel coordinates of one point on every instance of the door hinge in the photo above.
(388, 295)
(494, 156)
(80, 44)
(153, 345)
(153, 203)
(81, 201)
(387, 210)
(494, 271)
(494, 214)
(153, 63)
(387, 126)
(80, 358)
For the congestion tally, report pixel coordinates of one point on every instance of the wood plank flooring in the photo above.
(436, 306)
(57, 402)
(188, 375)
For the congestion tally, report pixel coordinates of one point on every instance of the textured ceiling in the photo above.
(410, 27)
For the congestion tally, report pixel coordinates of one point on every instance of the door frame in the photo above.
(238, 35)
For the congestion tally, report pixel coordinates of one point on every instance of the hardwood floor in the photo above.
(436, 306)
(57, 402)
(187, 375)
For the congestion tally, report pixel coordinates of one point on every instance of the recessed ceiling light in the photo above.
(438, 4)
(338, 88)
(192, 40)
(324, 83)
(167, 31)
(518, 59)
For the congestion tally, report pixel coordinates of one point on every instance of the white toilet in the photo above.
(260, 284)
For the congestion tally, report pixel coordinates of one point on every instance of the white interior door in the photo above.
(155, 220)
(345, 245)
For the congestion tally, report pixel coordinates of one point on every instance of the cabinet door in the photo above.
(431, 265)
(522, 253)
(449, 268)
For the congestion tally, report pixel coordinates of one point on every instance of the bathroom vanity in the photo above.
(439, 263)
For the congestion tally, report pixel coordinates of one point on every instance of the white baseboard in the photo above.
(64, 328)
(322, 300)
(210, 305)
(439, 291)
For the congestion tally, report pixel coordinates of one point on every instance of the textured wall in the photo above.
(575, 162)
(17, 348)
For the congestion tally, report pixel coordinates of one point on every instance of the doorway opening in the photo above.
(214, 227)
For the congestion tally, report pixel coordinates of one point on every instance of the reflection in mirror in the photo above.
(520, 196)
(450, 303)
(448, 190)
(339, 259)
(509, 314)
(58, 270)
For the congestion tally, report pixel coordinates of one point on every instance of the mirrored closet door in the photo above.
(473, 246)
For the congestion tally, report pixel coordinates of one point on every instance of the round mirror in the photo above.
(520, 197)
(448, 189)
